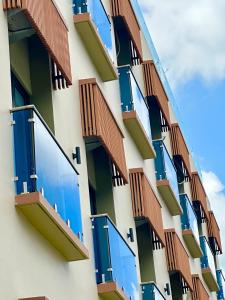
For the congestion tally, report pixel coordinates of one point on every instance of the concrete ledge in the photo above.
(44, 218)
(111, 291)
(95, 47)
(169, 197)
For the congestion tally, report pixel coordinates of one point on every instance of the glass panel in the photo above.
(207, 260)
(53, 174)
(132, 98)
(165, 168)
(151, 292)
(155, 57)
(188, 218)
(19, 95)
(100, 19)
(113, 255)
(221, 283)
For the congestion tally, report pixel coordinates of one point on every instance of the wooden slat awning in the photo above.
(199, 291)
(198, 193)
(98, 122)
(214, 231)
(145, 203)
(154, 87)
(177, 257)
(179, 147)
(124, 9)
(45, 18)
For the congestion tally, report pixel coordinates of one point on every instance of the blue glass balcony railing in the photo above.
(221, 284)
(207, 260)
(188, 218)
(114, 260)
(151, 292)
(42, 166)
(99, 17)
(165, 168)
(132, 98)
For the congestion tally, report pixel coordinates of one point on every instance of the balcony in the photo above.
(190, 227)
(214, 234)
(94, 28)
(180, 153)
(47, 184)
(127, 29)
(150, 291)
(115, 262)
(145, 204)
(100, 128)
(155, 91)
(178, 259)
(199, 198)
(199, 291)
(135, 112)
(166, 178)
(208, 265)
(221, 284)
(29, 17)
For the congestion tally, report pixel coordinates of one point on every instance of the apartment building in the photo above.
(100, 197)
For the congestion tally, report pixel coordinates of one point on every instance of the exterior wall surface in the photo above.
(29, 265)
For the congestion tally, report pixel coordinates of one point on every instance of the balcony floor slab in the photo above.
(111, 291)
(95, 47)
(210, 280)
(45, 219)
(138, 134)
(169, 197)
(192, 244)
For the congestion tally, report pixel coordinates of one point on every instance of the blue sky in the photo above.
(189, 38)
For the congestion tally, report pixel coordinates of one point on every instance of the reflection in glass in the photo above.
(165, 168)
(207, 260)
(132, 98)
(221, 284)
(99, 17)
(42, 166)
(114, 259)
(188, 218)
(151, 292)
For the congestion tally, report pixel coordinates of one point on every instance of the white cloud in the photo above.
(189, 36)
(216, 193)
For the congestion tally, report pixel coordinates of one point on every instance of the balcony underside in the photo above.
(111, 291)
(44, 218)
(95, 47)
(210, 280)
(169, 197)
(138, 134)
(191, 243)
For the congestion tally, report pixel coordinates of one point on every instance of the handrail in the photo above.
(111, 221)
(32, 107)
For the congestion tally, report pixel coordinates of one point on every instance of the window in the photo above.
(19, 96)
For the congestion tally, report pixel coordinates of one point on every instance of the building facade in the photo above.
(100, 197)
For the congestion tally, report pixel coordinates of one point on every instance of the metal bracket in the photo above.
(68, 223)
(16, 178)
(31, 120)
(106, 226)
(25, 191)
(34, 176)
(13, 122)
(55, 207)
